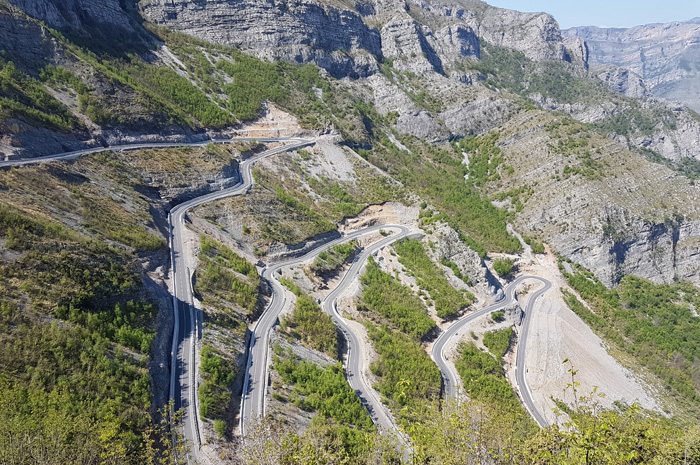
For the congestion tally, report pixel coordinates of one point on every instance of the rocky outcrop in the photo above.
(681, 140)
(297, 31)
(666, 56)
(342, 41)
(577, 51)
(405, 42)
(457, 41)
(536, 35)
(448, 246)
(25, 42)
(625, 82)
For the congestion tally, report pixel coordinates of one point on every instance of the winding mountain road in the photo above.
(183, 386)
(186, 327)
(447, 369)
(255, 381)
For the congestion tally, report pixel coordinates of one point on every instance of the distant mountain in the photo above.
(666, 56)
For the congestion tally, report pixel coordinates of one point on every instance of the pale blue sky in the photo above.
(611, 13)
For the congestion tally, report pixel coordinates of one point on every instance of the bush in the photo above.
(497, 316)
(334, 258)
(324, 390)
(498, 342)
(217, 374)
(220, 428)
(484, 379)
(653, 322)
(503, 266)
(407, 375)
(225, 277)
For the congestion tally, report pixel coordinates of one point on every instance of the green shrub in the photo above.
(220, 428)
(324, 390)
(498, 342)
(654, 323)
(503, 266)
(407, 375)
(484, 379)
(334, 258)
(223, 277)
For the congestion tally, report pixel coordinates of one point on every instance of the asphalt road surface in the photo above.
(186, 331)
(447, 369)
(256, 377)
(65, 156)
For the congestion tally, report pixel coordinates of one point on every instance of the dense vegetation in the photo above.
(498, 342)
(75, 333)
(217, 375)
(223, 278)
(24, 96)
(503, 266)
(483, 375)
(407, 376)
(315, 328)
(513, 71)
(654, 323)
(386, 296)
(484, 158)
(448, 300)
(324, 390)
(334, 258)
(437, 174)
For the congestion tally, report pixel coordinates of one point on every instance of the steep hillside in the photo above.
(462, 122)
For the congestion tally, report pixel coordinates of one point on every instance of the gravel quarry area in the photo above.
(558, 334)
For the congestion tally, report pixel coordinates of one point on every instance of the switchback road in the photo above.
(449, 374)
(255, 384)
(183, 387)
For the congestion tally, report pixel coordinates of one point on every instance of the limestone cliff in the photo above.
(80, 15)
(603, 206)
(666, 56)
(349, 41)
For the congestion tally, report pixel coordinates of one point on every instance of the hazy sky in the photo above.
(611, 13)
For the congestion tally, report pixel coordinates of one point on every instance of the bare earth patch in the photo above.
(557, 334)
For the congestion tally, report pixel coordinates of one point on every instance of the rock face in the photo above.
(298, 31)
(25, 39)
(405, 41)
(78, 15)
(626, 216)
(349, 41)
(666, 56)
(536, 35)
(448, 246)
(624, 82)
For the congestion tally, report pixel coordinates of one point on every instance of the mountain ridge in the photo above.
(663, 54)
